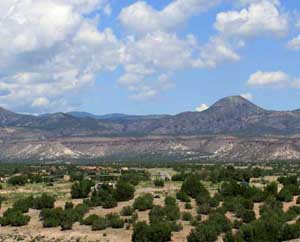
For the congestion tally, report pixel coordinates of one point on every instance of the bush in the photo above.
(124, 191)
(159, 183)
(19, 180)
(23, 204)
(68, 219)
(160, 232)
(69, 205)
(186, 216)
(194, 188)
(127, 211)
(214, 202)
(141, 232)
(183, 197)
(99, 224)
(114, 221)
(285, 195)
(188, 206)
(289, 232)
(157, 214)
(14, 218)
(43, 201)
(144, 202)
(203, 233)
(90, 219)
(51, 217)
(248, 215)
(271, 189)
(109, 202)
(81, 189)
(203, 209)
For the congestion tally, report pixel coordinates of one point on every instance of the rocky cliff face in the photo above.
(233, 128)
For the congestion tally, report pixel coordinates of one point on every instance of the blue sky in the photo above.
(142, 57)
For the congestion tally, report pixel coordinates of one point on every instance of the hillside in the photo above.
(228, 129)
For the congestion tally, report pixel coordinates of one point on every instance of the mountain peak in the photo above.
(236, 104)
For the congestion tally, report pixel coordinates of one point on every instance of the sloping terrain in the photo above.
(233, 128)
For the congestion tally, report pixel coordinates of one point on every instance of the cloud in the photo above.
(260, 18)
(141, 17)
(276, 78)
(40, 102)
(247, 96)
(202, 108)
(49, 49)
(294, 44)
(272, 79)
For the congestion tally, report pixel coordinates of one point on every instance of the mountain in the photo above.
(115, 116)
(232, 128)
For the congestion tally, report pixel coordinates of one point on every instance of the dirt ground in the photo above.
(81, 233)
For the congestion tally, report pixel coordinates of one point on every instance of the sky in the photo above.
(147, 57)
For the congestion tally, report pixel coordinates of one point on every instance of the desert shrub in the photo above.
(117, 223)
(237, 224)
(157, 214)
(1, 200)
(285, 195)
(99, 224)
(81, 189)
(204, 209)
(203, 233)
(19, 180)
(14, 218)
(23, 204)
(214, 202)
(172, 211)
(127, 211)
(90, 219)
(248, 215)
(183, 197)
(188, 206)
(176, 227)
(186, 216)
(141, 232)
(271, 189)
(124, 191)
(288, 180)
(109, 202)
(114, 221)
(43, 201)
(69, 205)
(271, 205)
(170, 201)
(158, 232)
(194, 188)
(67, 220)
(159, 183)
(231, 189)
(289, 232)
(229, 237)
(144, 202)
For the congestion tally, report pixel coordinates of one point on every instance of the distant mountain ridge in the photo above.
(232, 129)
(115, 116)
(230, 115)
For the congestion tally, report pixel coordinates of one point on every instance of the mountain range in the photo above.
(224, 131)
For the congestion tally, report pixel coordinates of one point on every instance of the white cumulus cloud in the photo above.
(276, 78)
(260, 18)
(202, 108)
(48, 49)
(142, 18)
(294, 44)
